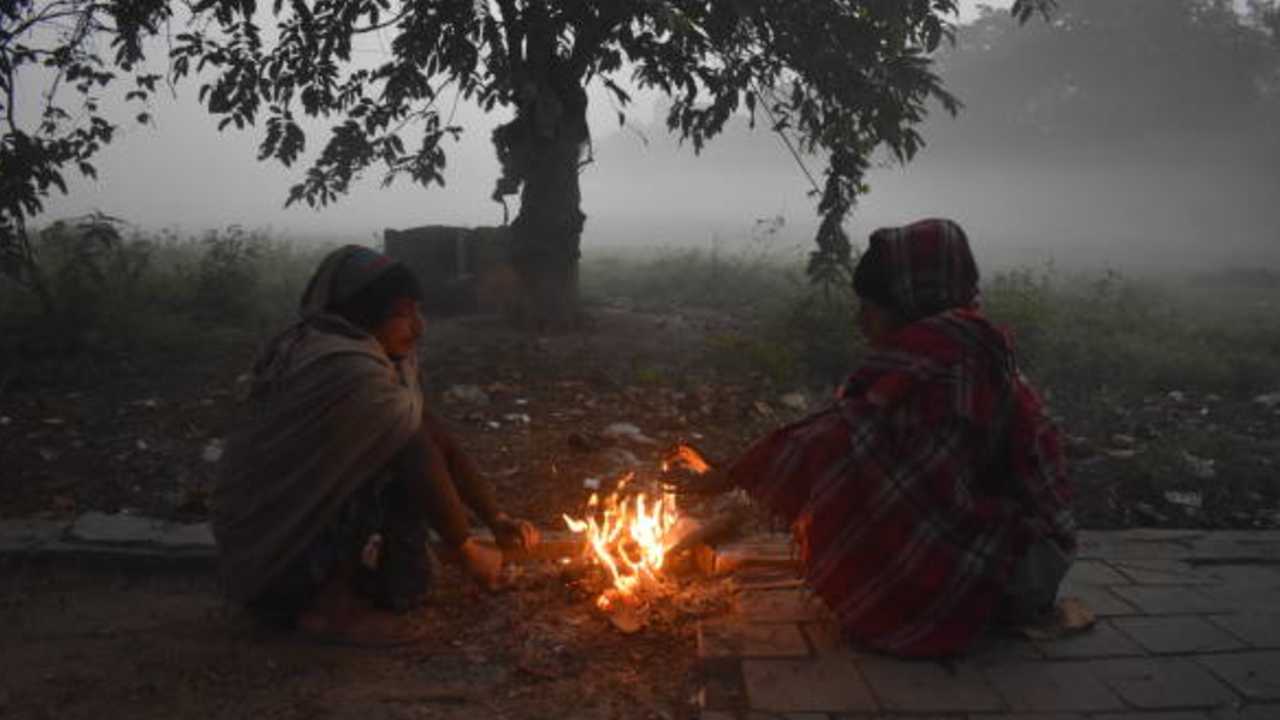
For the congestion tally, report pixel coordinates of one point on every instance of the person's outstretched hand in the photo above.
(514, 533)
(689, 472)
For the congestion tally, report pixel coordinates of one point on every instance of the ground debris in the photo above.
(627, 431)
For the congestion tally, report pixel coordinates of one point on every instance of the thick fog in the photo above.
(1058, 159)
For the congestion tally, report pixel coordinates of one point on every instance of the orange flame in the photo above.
(627, 537)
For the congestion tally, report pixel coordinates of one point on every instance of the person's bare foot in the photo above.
(483, 563)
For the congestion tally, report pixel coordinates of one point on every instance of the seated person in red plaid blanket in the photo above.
(931, 499)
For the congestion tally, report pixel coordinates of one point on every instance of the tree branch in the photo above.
(380, 26)
(512, 25)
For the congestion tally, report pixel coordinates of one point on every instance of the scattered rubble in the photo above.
(1269, 401)
(212, 452)
(627, 431)
(795, 401)
(466, 394)
(1189, 501)
(1201, 468)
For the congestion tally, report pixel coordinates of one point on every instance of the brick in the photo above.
(741, 639)
(1256, 675)
(1170, 600)
(928, 686)
(719, 685)
(781, 606)
(1247, 577)
(826, 636)
(1175, 635)
(1254, 544)
(1166, 715)
(1094, 572)
(1099, 598)
(1164, 572)
(1163, 683)
(1029, 716)
(1229, 598)
(1100, 642)
(723, 715)
(1255, 712)
(994, 648)
(1052, 687)
(829, 683)
(1260, 630)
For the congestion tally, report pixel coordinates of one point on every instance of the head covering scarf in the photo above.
(913, 497)
(329, 410)
(919, 269)
(341, 275)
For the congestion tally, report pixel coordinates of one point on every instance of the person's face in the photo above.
(875, 322)
(399, 333)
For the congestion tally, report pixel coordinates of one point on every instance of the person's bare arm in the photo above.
(475, 489)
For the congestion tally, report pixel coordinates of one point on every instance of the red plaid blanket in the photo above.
(913, 496)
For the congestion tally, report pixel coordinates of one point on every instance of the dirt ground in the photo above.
(79, 642)
(136, 440)
(144, 437)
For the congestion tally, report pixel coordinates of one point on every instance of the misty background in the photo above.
(1114, 136)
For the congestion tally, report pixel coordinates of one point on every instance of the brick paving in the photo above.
(1188, 629)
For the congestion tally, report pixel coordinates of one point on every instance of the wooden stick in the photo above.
(718, 529)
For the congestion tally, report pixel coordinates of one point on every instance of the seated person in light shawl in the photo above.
(930, 499)
(327, 491)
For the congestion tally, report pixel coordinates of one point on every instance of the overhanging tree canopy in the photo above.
(842, 78)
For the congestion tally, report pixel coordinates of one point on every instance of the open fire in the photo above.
(628, 534)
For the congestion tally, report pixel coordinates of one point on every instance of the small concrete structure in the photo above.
(462, 270)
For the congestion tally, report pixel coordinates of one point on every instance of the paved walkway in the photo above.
(1188, 629)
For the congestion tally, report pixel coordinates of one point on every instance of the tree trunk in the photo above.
(547, 232)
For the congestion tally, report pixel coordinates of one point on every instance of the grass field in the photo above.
(1153, 379)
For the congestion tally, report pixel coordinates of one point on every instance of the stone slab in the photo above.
(1228, 598)
(1256, 675)
(1099, 598)
(719, 685)
(1102, 641)
(1254, 712)
(1163, 683)
(903, 686)
(1165, 572)
(1052, 687)
(725, 715)
(1260, 630)
(1094, 572)
(1177, 634)
(1171, 599)
(781, 606)
(750, 640)
(1029, 716)
(1164, 715)
(102, 529)
(825, 636)
(825, 684)
(995, 648)
(1245, 576)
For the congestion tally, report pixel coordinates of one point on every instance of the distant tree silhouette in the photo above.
(843, 78)
(1105, 70)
